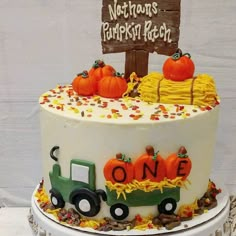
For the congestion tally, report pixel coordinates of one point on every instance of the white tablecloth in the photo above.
(14, 222)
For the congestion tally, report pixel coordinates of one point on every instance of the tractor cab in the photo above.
(79, 189)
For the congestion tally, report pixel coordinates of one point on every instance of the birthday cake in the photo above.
(132, 151)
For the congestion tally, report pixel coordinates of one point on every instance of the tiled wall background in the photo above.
(46, 42)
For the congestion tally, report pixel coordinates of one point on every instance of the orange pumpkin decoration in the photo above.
(119, 170)
(113, 86)
(179, 67)
(83, 84)
(150, 166)
(178, 164)
(100, 70)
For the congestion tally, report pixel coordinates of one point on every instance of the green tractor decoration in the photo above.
(80, 190)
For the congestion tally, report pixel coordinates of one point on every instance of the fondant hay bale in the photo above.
(199, 90)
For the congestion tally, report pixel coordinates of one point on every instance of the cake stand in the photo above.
(212, 223)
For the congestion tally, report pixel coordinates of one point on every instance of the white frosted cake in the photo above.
(145, 155)
(130, 151)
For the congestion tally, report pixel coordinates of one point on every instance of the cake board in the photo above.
(211, 223)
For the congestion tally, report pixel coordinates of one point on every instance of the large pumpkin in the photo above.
(119, 170)
(83, 84)
(179, 67)
(113, 86)
(100, 70)
(150, 166)
(178, 164)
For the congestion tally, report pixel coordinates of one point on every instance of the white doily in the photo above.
(231, 222)
(232, 215)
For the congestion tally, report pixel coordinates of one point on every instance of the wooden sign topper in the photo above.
(140, 26)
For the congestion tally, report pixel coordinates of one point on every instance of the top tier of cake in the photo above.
(63, 101)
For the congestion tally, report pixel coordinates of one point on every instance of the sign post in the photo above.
(140, 27)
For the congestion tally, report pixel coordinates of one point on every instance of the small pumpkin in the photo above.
(100, 70)
(178, 67)
(150, 166)
(113, 86)
(178, 164)
(119, 170)
(83, 84)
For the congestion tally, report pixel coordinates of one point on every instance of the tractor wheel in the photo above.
(167, 206)
(57, 199)
(87, 203)
(119, 211)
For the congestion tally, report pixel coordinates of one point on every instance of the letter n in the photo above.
(147, 170)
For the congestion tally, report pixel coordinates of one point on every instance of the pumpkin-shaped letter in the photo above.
(119, 170)
(178, 164)
(179, 67)
(150, 166)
